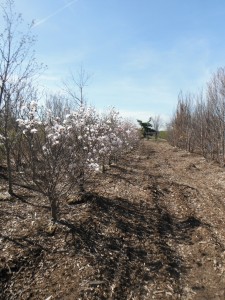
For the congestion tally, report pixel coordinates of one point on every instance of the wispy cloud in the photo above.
(141, 58)
(44, 20)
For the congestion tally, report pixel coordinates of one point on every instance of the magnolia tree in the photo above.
(117, 136)
(59, 156)
(44, 163)
(82, 127)
(109, 141)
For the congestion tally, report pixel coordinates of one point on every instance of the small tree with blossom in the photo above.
(47, 156)
(116, 137)
(58, 155)
(83, 128)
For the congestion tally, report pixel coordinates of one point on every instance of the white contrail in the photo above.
(53, 14)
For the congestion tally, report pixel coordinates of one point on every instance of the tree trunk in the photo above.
(81, 181)
(9, 168)
(54, 208)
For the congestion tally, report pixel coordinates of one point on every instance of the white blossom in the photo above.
(34, 130)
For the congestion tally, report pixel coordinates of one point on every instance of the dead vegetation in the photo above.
(152, 228)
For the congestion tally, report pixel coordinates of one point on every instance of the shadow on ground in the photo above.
(128, 246)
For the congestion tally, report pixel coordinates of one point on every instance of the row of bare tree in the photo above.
(198, 124)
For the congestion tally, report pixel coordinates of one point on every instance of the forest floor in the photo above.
(151, 228)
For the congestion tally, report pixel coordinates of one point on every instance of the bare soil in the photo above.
(151, 228)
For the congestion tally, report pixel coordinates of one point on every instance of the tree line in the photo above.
(53, 146)
(198, 124)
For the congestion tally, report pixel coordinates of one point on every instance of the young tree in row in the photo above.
(17, 68)
(180, 125)
(157, 123)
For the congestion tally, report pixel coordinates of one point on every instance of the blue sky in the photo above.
(139, 53)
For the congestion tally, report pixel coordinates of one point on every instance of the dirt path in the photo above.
(153, 228)
(191, 191)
